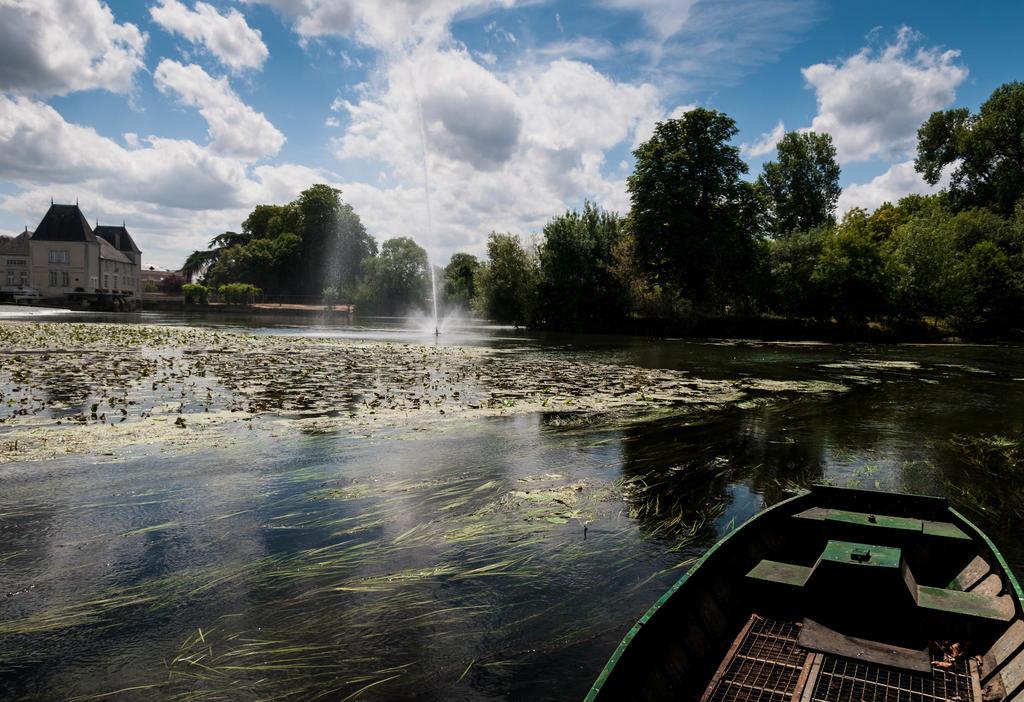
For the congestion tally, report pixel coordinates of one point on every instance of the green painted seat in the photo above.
(781, 573)
(970, 604)
(944, 530)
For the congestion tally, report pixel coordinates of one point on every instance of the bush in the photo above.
(239, 293)
(171, 284)
(330, 296)
(195, 294)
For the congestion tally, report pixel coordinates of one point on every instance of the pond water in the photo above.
(477, 558)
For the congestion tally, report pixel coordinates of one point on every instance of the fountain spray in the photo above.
(426, 194)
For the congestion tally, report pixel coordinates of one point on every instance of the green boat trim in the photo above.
(624, 644)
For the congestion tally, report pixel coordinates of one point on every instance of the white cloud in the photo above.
(54, 47)
(173, 193)
(663, 17)
(539, 149)
(332, 122)
(873, 102)
(235, 128)
(765, 143)
(228, 37)
(901, 179)
(382, 25)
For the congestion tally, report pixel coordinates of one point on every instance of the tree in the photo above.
(993, 292)
(695, 220)
(792, 258)
(851, 272)
(801, 188)
(987, 149)
(397, 280)
(171, 284)
(508, 281)
(578, 286)
(336, 245)
(460, 286)
(197, 263)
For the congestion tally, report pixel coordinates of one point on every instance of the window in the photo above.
(65, 279)
(106, 280)
(53, 279)
(15, 262)
(60, 256)
(24, 279)
(10, 277)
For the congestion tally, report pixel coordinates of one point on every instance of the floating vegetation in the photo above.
(69, 388)
(993, 484)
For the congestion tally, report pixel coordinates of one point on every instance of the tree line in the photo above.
(701, 239)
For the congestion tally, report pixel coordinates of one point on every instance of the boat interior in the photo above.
(837, 595)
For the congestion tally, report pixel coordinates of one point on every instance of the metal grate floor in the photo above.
(766, 664)
(846, 679)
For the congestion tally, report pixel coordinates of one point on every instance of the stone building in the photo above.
(67, 260)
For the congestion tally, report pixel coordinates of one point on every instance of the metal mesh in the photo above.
(766, 666)
(846, 679)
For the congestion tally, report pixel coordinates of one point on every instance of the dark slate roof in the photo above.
(64, 223)
(108, 252)
(15, 245)
(118, 237)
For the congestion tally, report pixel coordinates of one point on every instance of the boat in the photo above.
(835, 594)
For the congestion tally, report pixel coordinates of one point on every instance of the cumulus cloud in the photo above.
(50, 47)
(235, 129)
(765, 143)
(174, 193)
(873, 102)
(227, 36)
(382, 25)
(539, 147)
(900, 180)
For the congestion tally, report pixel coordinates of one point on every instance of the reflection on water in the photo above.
(492, 559)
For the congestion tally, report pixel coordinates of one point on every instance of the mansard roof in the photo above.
(64, 223)
(15, 245)
(118, 237)
(108, 252)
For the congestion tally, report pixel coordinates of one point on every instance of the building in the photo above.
(67, 260)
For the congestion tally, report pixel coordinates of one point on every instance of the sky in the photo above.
(445, 120)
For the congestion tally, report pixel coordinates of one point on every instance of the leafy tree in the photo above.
(397, 280)
(270, 264)
(792, 259)
(993, 292)
(695, 221)
(171, 284)
(851, 271)
(459, 277)
(987, 149)
(508, 281)
(197, 263)
(801, 188)
(336, 245)
(923, 266)
(578, 285)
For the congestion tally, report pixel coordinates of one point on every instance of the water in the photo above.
(438, 563)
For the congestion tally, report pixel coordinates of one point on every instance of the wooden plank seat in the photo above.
(942, 530)
(982, 603)
(972, 604)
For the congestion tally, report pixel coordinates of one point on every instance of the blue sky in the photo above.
(179, 116)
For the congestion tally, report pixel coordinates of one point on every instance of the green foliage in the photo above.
(195, 294)
(239, 293)
(801, 188)
(987, 150)
(336, 246)
(396, 281)
(578, 285)
(330, 296)
(792, 258)
(171, 284)
(850, 272)
(459, 276)
(508, 281)
(993, 291)
(695, 220)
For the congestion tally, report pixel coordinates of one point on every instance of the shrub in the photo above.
(171, 284)
(330, 297)
(239, 293)
(195, 294)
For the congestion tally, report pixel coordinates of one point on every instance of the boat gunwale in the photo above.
(602, 678)
(613, 660)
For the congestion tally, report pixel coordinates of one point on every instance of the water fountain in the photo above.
(426, 196)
